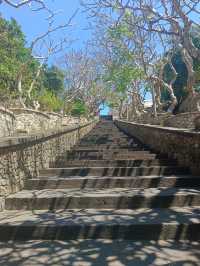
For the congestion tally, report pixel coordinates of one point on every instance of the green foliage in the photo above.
(79, 108)
(53, 79)
(11, 49)
(13, 56)
(51, 88)
(50, 102)
(122, 70)
(122, 76)
(120, 31)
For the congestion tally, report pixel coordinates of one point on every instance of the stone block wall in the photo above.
(191, 103)
(7, 122)
(69, 120)
(17, 121)
(55, 120)
(179, 144)
(22, 158)
(183, 120)
(148, 118)
(28, 120)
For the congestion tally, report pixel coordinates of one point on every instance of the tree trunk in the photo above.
(19, 88)
(121, 109)
(34, 82)
(188, 60)
(154, 99)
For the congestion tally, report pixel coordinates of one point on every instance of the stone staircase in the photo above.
(109, 186)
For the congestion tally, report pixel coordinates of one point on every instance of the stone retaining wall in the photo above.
(69, 120)
(7, 122)
(179, 144)
(28, 120)
(191, 103)
(183, 120)
(20, 120)
(148, 118)
(21, 158)
(55, 120)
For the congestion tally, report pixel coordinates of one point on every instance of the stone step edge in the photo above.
(116, 177)
(162, 214)
(115, 167)
(109, 193)
(116, 182)
(86, 228)
(117, 160)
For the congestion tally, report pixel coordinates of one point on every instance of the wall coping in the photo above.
(54, 114)
(17, 111)
(7, 112)
(185, 132)
(10, 143)
(70, 116)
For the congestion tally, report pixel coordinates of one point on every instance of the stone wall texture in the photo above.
(191, 103)
(148, 118)
(22, 158)
(15, 121)
(28, 120)
(69, 120)
(183, 120)
(179, 144)
(7, 122)
(55, 120)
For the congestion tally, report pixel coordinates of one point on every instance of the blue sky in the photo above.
(34, 23)
(104, 109)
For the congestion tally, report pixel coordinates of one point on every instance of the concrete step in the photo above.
(114, 171)
(63, 162)
(100, 252)
(106, 136)
(96, 150)
(105, 142)
(110, 182)
(106, 133)
(106, 130)
(115, 198)
(109, 149)
(118, 143)
(111, 138)
(142, 157)
(114, 148)
(142, 224)
(110, 155)
(127, 144)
